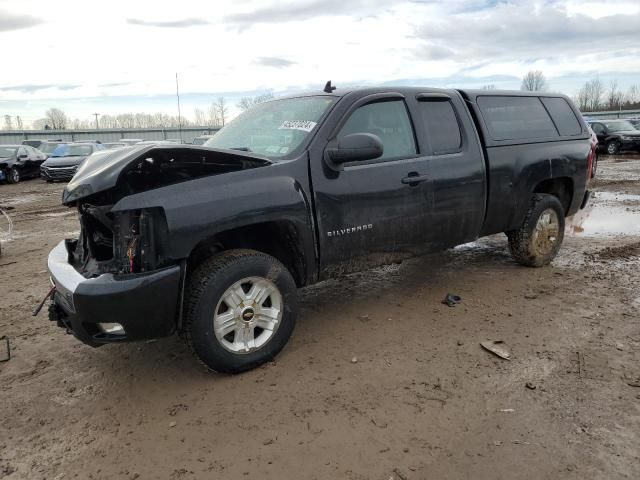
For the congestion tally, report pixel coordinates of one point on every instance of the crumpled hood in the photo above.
(63, 161)
(102, 170)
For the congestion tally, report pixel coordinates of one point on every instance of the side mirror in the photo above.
(23, 155)
(356, 147)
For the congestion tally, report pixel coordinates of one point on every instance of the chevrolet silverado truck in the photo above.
(213, 241)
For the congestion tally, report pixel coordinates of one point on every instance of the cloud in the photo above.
(183, 23)
(16, 21)
(113, 84)
(30, 88)
(304, 10)
(274, 62)
(526, 34)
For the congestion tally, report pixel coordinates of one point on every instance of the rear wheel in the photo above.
(240, 311)
(538, 240)
(13, 176)
(613, 147)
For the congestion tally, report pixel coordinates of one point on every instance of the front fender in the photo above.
(198, 209)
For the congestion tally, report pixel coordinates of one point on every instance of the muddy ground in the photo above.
(379, 381)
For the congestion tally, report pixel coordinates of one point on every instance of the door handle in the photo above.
(414, 179)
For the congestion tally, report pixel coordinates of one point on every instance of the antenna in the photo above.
(179, 116)
(328, 88)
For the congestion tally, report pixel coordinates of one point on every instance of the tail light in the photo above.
(590, 158)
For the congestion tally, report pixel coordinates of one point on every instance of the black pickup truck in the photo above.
(213, 241)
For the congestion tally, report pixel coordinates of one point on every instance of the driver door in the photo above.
(370, 212)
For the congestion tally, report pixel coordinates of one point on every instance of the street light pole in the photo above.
(96, 115)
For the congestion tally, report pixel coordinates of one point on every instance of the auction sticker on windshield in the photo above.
(304, 125)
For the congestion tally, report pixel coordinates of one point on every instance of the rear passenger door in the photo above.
(455, 167)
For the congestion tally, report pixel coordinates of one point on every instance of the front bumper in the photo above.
(145, 304)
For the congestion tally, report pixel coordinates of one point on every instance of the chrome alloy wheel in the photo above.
(248, 315)
(547, 232)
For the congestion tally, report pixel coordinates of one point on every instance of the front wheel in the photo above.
(538, 240)
(613, 147)
(240, 310)
(13, 176)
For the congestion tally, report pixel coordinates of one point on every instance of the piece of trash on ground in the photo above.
(530, 386)
(5, 349)
(496, 347)
(451, 300)
(507, 410)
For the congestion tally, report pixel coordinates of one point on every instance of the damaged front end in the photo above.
(118, 280)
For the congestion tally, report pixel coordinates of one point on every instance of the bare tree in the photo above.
(56, 119)
(19, 123)
(632, 96)
(534, 81)
(490, 86)
(8, 123)
(246, 103)
(590, 96)
(221, 110)
(614, 96)
(200, 117)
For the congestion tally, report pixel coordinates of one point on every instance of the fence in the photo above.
(106, 135)
(613, 114)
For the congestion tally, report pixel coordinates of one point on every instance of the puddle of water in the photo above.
(616, 197)
(598, 220)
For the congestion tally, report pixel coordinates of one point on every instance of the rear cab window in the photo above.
(516, 118)
(562, 115)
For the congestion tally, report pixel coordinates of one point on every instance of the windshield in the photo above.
(273, 129)
(619, 126)
(7, 152)
(49, 147)
(72, 151)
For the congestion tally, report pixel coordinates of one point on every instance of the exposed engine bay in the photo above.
(134, 241)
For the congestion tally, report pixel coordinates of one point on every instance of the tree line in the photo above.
(593, 96)
(215, 116)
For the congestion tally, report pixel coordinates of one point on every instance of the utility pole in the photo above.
(96, 115)
(179, 116)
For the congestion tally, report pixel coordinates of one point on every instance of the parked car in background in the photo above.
(635, 122)
(615, 136)
(48, 146)
(87, 140)
(594, 150)
(65, 160)
(112, 145)
(18, 162)
(131, 141)
(37, 143)
(201, 139)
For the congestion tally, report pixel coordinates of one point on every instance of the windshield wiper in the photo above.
(242, 149)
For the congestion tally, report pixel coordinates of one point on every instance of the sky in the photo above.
(122, 56)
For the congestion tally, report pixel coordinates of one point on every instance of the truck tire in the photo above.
(240, 310)
(539, 238)
(613, 147)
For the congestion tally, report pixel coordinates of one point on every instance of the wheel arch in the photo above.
(281, 239)
(560, 187)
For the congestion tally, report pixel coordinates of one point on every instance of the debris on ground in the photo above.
(496, 347)
(5, 355)
(354, 360)
(451, 300)
(530, 386)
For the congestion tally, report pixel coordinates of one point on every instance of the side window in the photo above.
(562, 115)
(516, 118)
(442, 126)
(388, 120)
(598, 128)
